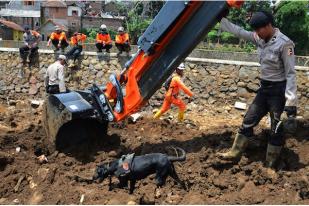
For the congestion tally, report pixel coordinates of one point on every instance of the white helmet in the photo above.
(103, 26)
(62, 57)
(181, 66)
(121, 29)
(57, 28)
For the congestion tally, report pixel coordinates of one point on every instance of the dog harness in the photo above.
(124, 165)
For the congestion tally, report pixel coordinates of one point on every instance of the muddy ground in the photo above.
(209, 180)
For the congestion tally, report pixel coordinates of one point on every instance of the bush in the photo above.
(212, 35)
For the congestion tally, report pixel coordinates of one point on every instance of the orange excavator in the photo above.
(173, 34)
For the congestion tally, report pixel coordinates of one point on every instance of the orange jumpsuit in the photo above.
(55, 36)
(78, 38)
(103, 38)
(171, 97)
(122, 38)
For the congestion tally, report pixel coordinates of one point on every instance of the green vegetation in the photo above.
(293, 20)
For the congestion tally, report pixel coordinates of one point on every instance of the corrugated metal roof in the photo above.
(54, 3)
(20, 13)
(63, 27)
(11, 25)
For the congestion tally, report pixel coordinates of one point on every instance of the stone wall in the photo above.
(212, 83)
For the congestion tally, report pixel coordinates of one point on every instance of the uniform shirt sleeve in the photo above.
(62, 36)
(52, 36)
(61, 79)
(288, 59)
(182, 86)
(239, 32)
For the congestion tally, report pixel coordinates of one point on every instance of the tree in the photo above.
(140, 17)
(293, 20)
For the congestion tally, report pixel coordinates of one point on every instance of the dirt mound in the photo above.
(209, 180)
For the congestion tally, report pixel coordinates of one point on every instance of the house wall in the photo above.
(6, 33)
(74, 8)
(18, 35)
(54, 13)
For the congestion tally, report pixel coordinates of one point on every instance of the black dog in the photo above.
(132, 168)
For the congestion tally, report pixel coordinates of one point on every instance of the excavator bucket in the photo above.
(70, 118)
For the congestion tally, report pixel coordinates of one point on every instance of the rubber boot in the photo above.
(272, 155)
(181, 115)
(239, 145)
(157, 115)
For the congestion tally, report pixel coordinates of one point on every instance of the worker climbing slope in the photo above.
(173, 86)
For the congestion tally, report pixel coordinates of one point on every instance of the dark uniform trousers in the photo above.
(53, 89)
(64, 44)
(100, 46)
(270, 98)
(25, 50)
(75, 52)
(123, 47)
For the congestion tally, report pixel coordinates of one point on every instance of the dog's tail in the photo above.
(178, 158)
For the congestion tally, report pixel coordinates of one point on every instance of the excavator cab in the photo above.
(170, 38)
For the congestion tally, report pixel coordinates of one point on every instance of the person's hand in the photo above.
(59, 45)
(48, 44)
(291, 111)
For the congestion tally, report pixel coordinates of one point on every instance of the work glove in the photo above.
(291, 111)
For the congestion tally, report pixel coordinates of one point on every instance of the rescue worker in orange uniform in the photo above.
(103, 39)
(171, 97)
(59, 39)
(77, 44)
(122, 41)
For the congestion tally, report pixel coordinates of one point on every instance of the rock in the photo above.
(243, 92)
(253, 87)
(17, 89)
(112, 153)
(33, 89)
(17, 150)
(211, 100)
(233, 88)
(99, 74)
(98, 67)
(16, 188)
(42, 173)
(42, 159)
(131, 202)
(224, 89)
(86, 62)
(35, 199)
(158, 193)
(114, 62)
(241, 84)
(191, 66)
(82, 198)
(33, 80)
(240, 105)
(12, 102)
(134, 117)
(248, 74)
(36, 103)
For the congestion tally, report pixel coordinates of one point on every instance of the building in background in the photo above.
(22, 12)
(48, 27)
(10, 31)
(55, 10)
